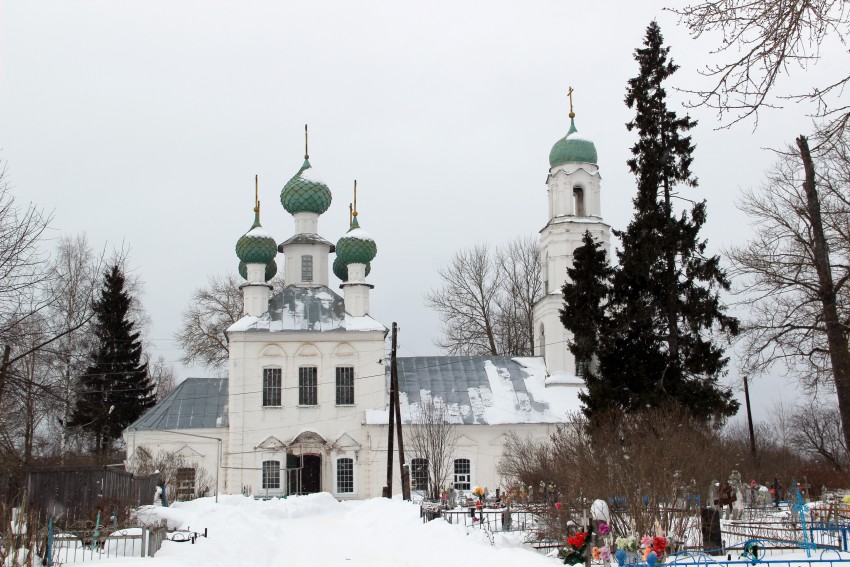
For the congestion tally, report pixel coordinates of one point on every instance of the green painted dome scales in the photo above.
(356, 247)
(305, 192)
(257, 246)
(572, 148)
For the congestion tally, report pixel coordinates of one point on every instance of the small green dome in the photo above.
(256, 246)
(340, 269)
(357, 246)
(572, 148)
(304, 193)
(271, 270)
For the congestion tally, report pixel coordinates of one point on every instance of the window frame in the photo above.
(185, 480)
(419, 474)
(457, 477)
(307, 268)
(268, 474)
(269, 375)
(306, 389)
(344, 478)
(345, 392)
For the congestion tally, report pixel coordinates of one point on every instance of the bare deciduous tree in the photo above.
(433, 437)
(764, 41)
(520, 262)
(487, 299)
(74, 280)
(212, 310)
(162, 374)
(817, 433)
(796, 270)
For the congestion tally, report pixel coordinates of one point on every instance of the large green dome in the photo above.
(256, 246)
(340, 269)
(304, 193)
(357, 246)
(572, 148)
(271, 270)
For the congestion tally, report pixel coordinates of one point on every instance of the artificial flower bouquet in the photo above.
(576, 548)
(627, 543)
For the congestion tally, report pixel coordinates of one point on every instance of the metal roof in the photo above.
(482, 389)
(297, 308)
(196, 403)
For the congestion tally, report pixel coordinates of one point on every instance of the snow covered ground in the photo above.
(318, 530)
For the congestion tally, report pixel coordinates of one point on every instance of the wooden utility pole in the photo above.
(405, 470)
(388, 489)
(750, 418)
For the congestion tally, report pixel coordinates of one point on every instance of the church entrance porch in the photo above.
(306, 475)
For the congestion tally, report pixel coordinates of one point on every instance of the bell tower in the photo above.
(573, 187)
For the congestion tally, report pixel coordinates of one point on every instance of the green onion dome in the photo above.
(304, 193)
(271, 270)
(357, 246)
(572, 148)
(340, 269)
(256, 246)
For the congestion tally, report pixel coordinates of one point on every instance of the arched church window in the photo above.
(578, 201)
(462, 474)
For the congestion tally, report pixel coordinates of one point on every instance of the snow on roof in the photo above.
(480, 390)
(196, 403)
(306, 309)
(360, 234)
(310, 174)
(306, 238)
(259, 232)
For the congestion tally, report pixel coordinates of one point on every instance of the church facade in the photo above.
(305, 405)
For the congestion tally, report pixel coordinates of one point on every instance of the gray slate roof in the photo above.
(197, 403)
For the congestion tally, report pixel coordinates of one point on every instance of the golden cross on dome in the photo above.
(306, 153)
(354, 213)
(570, 94)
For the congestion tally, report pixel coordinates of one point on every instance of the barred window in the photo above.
(345, 385)
(307, 395)
(344, 476)
(271, 475)
(419, 474)
(463, 474)
(271, 386)
(306, 268)
(185, 483)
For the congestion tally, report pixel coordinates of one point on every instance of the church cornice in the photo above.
(570, 168)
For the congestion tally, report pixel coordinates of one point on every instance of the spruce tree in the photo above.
(115, 389)
(665, 310)
(586, 293)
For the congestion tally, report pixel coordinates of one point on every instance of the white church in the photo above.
(305, 405)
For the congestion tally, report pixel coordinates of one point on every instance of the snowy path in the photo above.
(318, 530)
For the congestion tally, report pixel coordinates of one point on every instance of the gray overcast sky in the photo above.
(145, 122)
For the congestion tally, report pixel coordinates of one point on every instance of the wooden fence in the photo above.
(77, 493)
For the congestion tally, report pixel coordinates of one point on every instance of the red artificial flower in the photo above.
(659, 544)
(577, 541)
(558, 505)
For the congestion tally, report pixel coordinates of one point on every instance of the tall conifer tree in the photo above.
(115, 389)
(586, 294)
(664, 308)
